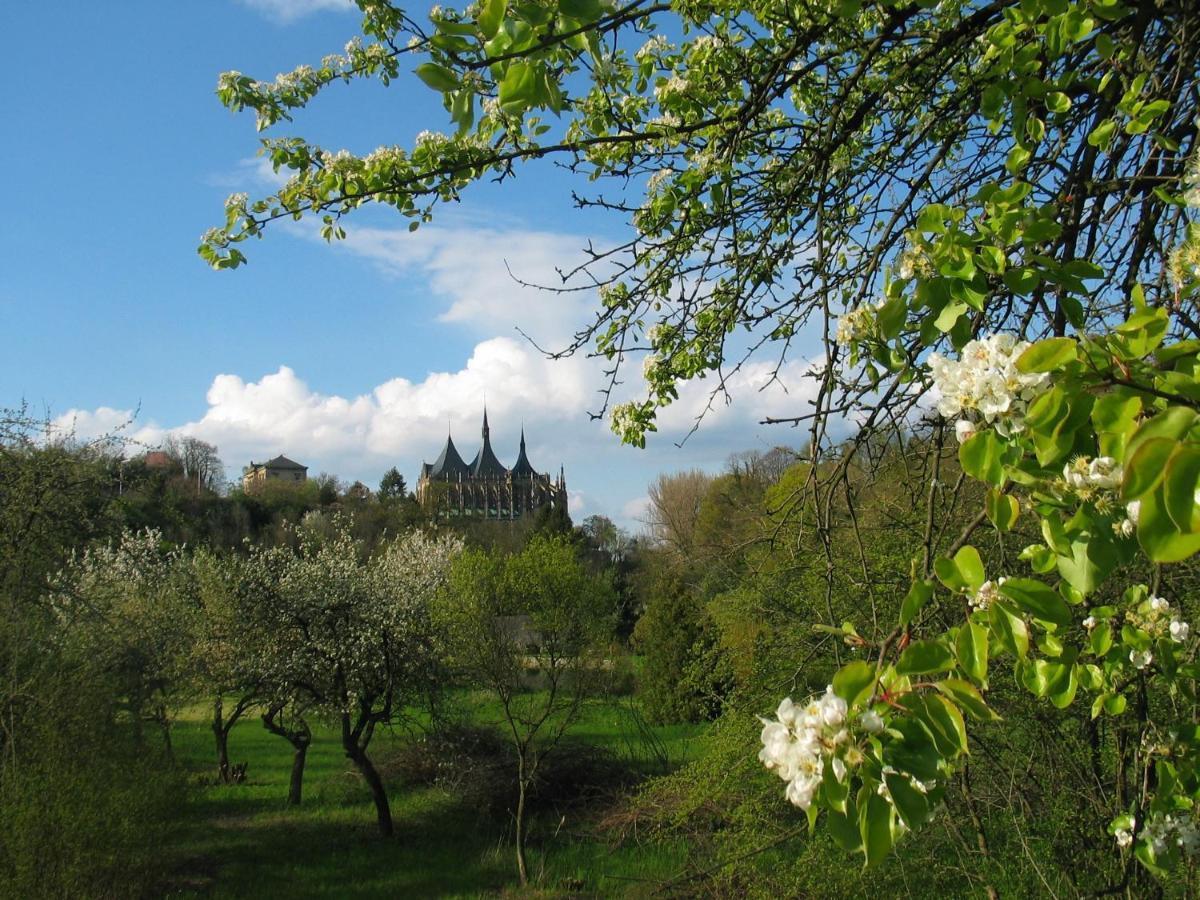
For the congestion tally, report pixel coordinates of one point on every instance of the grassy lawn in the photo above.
(244, 841)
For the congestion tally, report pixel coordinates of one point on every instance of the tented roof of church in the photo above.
(449, 464)
(522, 467)
(485, 464)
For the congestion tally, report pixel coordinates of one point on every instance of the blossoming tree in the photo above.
(344, 636)
(987, 207)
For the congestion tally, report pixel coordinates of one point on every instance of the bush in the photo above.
(668, 636)
(86, 811)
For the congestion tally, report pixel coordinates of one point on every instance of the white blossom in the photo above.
(623, 419)
(1179, 631)
(985, 379)
(1140, 658)
(1087, 476)
(871, 722)
(964, 430)
(656, 46)
(1124, 838)
(655, 180)
(1089, 623)
(676, 84)
(795, 747)
(988, 591)
(854, 325)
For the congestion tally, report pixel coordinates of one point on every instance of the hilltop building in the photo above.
(278, 469)
(484, 488)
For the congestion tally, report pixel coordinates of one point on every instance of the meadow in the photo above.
(453, 834)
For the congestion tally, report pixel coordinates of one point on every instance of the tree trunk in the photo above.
(362, 762)
(522, 871)
(299, 736)
(297, 782)
(221, 736)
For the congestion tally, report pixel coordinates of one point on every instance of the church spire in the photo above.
(486, 430)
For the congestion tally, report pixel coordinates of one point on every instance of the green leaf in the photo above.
(1009, 628)
(1041, 559)
(875, 828)
(1146, 467)
(1048, 355)
(915, 753)
(519, 86)
(1022, 279)
(584, 10)
(1102, 134)
(1018, 159)
(991, 259)
(968, 697)
(844, 828)
(491, 16)
(1101, 639)
(855, 682)
(923, 657)
(1179, 487)
(1062, 685)
(918, 595)
(1002, 509)
(1058, 102)
(932, 219)
(1037, 599)
(1171, 424)
(1157, 533)
(970, 566)
(980, 456)
(1114, 417)
(438, 77)
(949, 721)
(836, 792)
(911, 804)
(947, 572)
(971, 647)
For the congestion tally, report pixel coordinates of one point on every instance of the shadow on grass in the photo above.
(319, 852)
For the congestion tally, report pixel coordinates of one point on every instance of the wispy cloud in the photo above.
(250, 173)
(285, 11)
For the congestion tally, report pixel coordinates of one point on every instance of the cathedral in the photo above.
(484, 488)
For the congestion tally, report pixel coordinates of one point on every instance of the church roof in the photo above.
(449, 464)
(485, 464)
(522, 467)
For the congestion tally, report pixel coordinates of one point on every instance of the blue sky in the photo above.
(349, 358)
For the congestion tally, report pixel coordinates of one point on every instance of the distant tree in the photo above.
(198, 459)
(531, 629)
(551, 519)
(604, 534)
(328, 489)
(392, 486)
(665, 636)
(674, 508)
(358, 493)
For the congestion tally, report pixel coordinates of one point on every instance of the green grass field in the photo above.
(244, 841)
